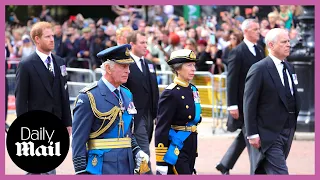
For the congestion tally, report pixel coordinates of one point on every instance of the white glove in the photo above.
(140, 156)
(163, 170)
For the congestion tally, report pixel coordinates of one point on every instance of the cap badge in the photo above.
(127, 52)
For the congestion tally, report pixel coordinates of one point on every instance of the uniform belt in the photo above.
(111, 143)
(184, 128)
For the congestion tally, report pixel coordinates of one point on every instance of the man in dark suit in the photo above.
(240, 60)
(41, 82)
(271, 106)
(142, 83)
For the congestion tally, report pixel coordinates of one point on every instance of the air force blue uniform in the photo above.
(102, 129)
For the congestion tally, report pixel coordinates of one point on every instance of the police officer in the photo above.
(103, 115)
(179, 113)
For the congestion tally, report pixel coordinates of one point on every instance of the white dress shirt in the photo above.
(137, 60)
(44, 57)
(279, 66)
(250, 46)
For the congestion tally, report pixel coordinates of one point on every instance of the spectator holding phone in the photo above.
(27, 47)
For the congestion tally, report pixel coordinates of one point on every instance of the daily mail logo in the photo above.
(27, 148)
(37, 142)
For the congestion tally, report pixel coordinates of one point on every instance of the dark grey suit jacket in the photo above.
(239, 62)
(265, 105)
(33, 91)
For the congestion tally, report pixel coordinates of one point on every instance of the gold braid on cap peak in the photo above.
(124, 60)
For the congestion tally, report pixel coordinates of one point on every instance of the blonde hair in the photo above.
(273, 15)
(120, 31)
(37, 29)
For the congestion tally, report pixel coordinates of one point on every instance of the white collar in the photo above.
(43, 56)
(248, 43)
(109, 85)
(136, 58)
(276, 60)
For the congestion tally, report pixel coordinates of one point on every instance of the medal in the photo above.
(176, 151)
(94, 161)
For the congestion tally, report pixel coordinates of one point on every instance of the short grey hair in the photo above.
(103, 66)
(176, 67)
(272, 35)
(246, 24)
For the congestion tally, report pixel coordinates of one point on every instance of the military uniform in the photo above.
(102, 127)
(179, 113)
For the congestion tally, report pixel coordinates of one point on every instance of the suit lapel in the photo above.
(152, 78)
(276, 79)
(249, 53)
(57, 72)
(42, 71)
(294, 87)
(135, 70)
(246, 50)
(57, 65)
(291, 79)
(108, 95)
(261, 51)
(136, 67)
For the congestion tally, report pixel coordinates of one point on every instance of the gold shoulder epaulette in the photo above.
(171, 86)
(88, 88)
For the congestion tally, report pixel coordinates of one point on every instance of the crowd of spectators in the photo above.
(79, 39)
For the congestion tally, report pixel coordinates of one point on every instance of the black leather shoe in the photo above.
(220, 167)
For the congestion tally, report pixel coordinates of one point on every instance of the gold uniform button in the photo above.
(189, 116)
(178, 88)
(187, 106)
(182, 97)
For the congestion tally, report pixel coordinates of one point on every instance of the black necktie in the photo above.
(117, 93)
(143, 67)
(50, 68)
(286, 80)
(258, 55)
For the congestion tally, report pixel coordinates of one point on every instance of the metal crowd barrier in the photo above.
(78, 78)
(86, 60)
(98, 73)
(74, 88)
(212, 89)
(12, 65)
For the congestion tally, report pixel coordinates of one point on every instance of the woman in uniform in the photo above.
(179, 113)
